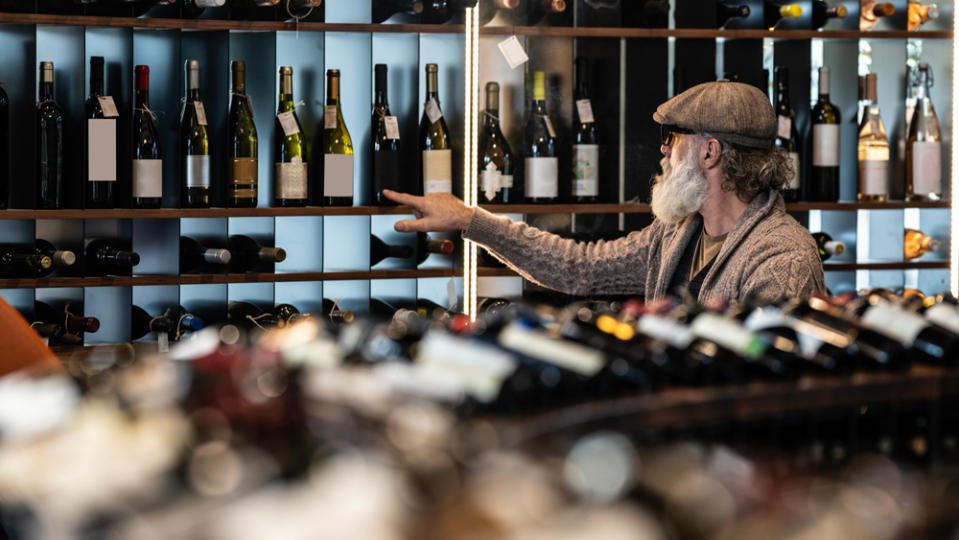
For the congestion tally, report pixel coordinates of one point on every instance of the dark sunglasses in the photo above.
(668, 133)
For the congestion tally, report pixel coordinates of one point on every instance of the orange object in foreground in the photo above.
(21, 347)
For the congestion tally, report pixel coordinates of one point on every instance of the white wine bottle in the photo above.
(194, 143)
(292, 168)
(824, 184)
(539, 148)
(586, 149)
(496, 158)
(924, 145)
(244, 143)
(337, 148)
(786, 133)
(873, 150)
(436, 157)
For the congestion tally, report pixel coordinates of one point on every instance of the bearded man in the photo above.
(721, 229)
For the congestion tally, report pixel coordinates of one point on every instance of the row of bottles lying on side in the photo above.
(733, 14)
(240, 254)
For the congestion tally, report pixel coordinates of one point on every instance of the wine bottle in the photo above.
(441, 11)
(142, 323)
(147, 161)
(4, 148)
(249, 316)
(104, 256)
(924, 144)
(61, 258)
(49, 143)
(777, 11)
(287, 314)
(426, 246)
(379, 308)
(384, 9)
(194, 8)
(503, 12)
(547, 12)
(100, 134)
(827, 246)
(825, 145)
(786, 133)
(729, 12)
(586, 147)
(870, 11)
(496, 157)
(862, 103)
(822, 13)
(917, 244)
(436, 156)
(62, 326)
(926, 341)
(337, 148)
(380, 250)
(194, 143)
(22, 262)
(292, 162)
(539, 147)
(242, 190)
(194, 255)
(387, 169)
(336, 314)
(247, 255)
(919, 14)
(873, 150)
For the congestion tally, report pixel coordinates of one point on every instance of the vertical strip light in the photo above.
(954, 177)
(471, 72)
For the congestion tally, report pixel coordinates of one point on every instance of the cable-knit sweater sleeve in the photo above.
(601, 267)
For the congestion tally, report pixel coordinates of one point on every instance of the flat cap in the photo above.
(735, 112)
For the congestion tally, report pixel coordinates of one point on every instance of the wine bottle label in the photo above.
(433, 111)
(541, 177)
(728, 334)
(291, 179)
(944, 315)
(899, 324)
(490, 178)
(454, 363)
(108, 107)
(784, 127)
(197, 171)
(874, 177)
(585, 110)
(565, 354)
(200, 112)
(666, 330)
(329, 117)
(102, 150)
(585, 170)
(337, 175)
(794, 180)
(825, 145)
(289, 124)
(506, 181)
(243, 172)
(148, 178)
(762, 319)
(549, 126)
(513, 52)
(926, 167)
(392, 127)
(437, 171)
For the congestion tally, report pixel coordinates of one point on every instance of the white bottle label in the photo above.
(541, 177)
(584, 108)
(197, 171)
(490, 181)
(291, 179)
(784, 127)
(874, 177)
(585, 170)
(200, 112)
(433, 111)
(392, 127)
(667, 330)
(108, 107)
(329, 117)
(899, 324)
(726, 333)
(437, 171)
(926, 167)
(337, 175)
(506, 181)
(102, 150)
(148, 178)
(794, 180)
(289, 124)
(945, 316)
(825, 145)
(565, 354)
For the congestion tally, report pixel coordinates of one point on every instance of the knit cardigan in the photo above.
(768, 255)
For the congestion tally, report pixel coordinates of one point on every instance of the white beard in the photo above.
(679, 192)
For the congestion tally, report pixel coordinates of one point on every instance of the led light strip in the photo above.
(470, 153)
(953, 216)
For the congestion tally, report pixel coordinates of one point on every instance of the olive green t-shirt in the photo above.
(706, 250)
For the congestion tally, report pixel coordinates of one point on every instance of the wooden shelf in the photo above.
(700, 33)
(601, 208)
(206, 279)
(176, 213)
(905, 265)
(683, 407)
(891, 205)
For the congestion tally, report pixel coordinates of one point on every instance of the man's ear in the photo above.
(712, 153)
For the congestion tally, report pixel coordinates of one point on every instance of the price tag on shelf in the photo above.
(392, 127)
(549, 126)
(433, 111)
(584, 108)
(288, 123)
(451, 296)
(329, 117)
(200, 112)
(513, 52)
(108, 107)
(785, 127)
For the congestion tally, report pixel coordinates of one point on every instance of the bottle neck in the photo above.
(380, 99)
(239, 82)
(782, 100)
(432, 86)
(380, 95)
(96, 81)
(333, 90)
(46, 91)
(142, 98)
(286, 90)
(193, 94)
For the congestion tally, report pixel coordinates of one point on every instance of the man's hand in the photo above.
(436, 212)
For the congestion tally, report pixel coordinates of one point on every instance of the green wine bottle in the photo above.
(539, 148)
(194, 143)
(242, 190)
(292, 169)
(337, 148)
(826, 120)
(436, 159)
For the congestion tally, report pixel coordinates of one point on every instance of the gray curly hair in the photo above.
(749, 171)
